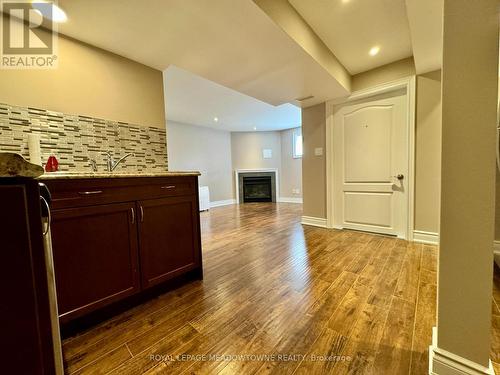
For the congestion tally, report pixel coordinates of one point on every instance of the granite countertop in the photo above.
(14, 165)
(85, 175)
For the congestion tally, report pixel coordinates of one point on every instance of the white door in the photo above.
(371, 165)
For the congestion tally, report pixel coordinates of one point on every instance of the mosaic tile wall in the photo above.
(75, 139)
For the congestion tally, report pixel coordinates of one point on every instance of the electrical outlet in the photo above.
(318, 151)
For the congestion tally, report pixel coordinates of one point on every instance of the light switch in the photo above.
(267, 153)
(318, 151)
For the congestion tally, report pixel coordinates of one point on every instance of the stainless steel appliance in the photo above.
(45, 200)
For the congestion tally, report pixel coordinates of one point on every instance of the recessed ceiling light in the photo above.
(345, 1)
(254, 128)
(50, 10)
(216, 119)
(374, 50)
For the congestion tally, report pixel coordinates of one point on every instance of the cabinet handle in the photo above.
(168, 187)
(132, 211)
(90, 192)
(142, 213)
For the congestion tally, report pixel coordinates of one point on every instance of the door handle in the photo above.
(142, 213)
(132, 211)
(399, 177)
(168, 187)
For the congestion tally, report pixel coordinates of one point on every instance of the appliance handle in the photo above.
(90, 192)
(49, 216)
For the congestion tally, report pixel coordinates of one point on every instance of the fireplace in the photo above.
(256, 185)
(257, 189)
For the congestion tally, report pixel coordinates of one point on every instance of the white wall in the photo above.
(203, 149)
(217, 153)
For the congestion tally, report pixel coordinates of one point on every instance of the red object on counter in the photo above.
(52, 164)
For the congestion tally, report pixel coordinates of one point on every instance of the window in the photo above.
(297, 146)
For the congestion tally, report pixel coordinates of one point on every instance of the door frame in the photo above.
(409, 85)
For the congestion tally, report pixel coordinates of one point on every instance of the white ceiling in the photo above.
(350, 28)
(231, 42)
(426, 24)
(194, 100)
(237, 45)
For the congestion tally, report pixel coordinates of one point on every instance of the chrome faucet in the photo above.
(111, 164)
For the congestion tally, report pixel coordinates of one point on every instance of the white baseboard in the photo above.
(430, 238)
(314, 221)
(226, 202)
(443, 362)
(290, 200)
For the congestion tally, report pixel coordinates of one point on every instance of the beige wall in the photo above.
(428, 152)
(390, 72)
(202, 149)
(469, 118)
(291, 168)
(89, 81)
(247, 148)
(314, 167)
(246, 151)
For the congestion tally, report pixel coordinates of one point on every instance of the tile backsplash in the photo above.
(75, 139)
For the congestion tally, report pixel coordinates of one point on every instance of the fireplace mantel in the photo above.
(237, 173)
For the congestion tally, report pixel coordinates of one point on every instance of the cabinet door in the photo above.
(168, 233)
(95, 256)
(26, 344)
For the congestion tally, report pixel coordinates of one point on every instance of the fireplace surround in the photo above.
(256, 185)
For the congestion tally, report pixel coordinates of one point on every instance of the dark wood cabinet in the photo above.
(27, 343)
(115, 237)
(95, 256)
(168, 232)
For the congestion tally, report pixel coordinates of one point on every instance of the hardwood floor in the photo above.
(313, 301)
